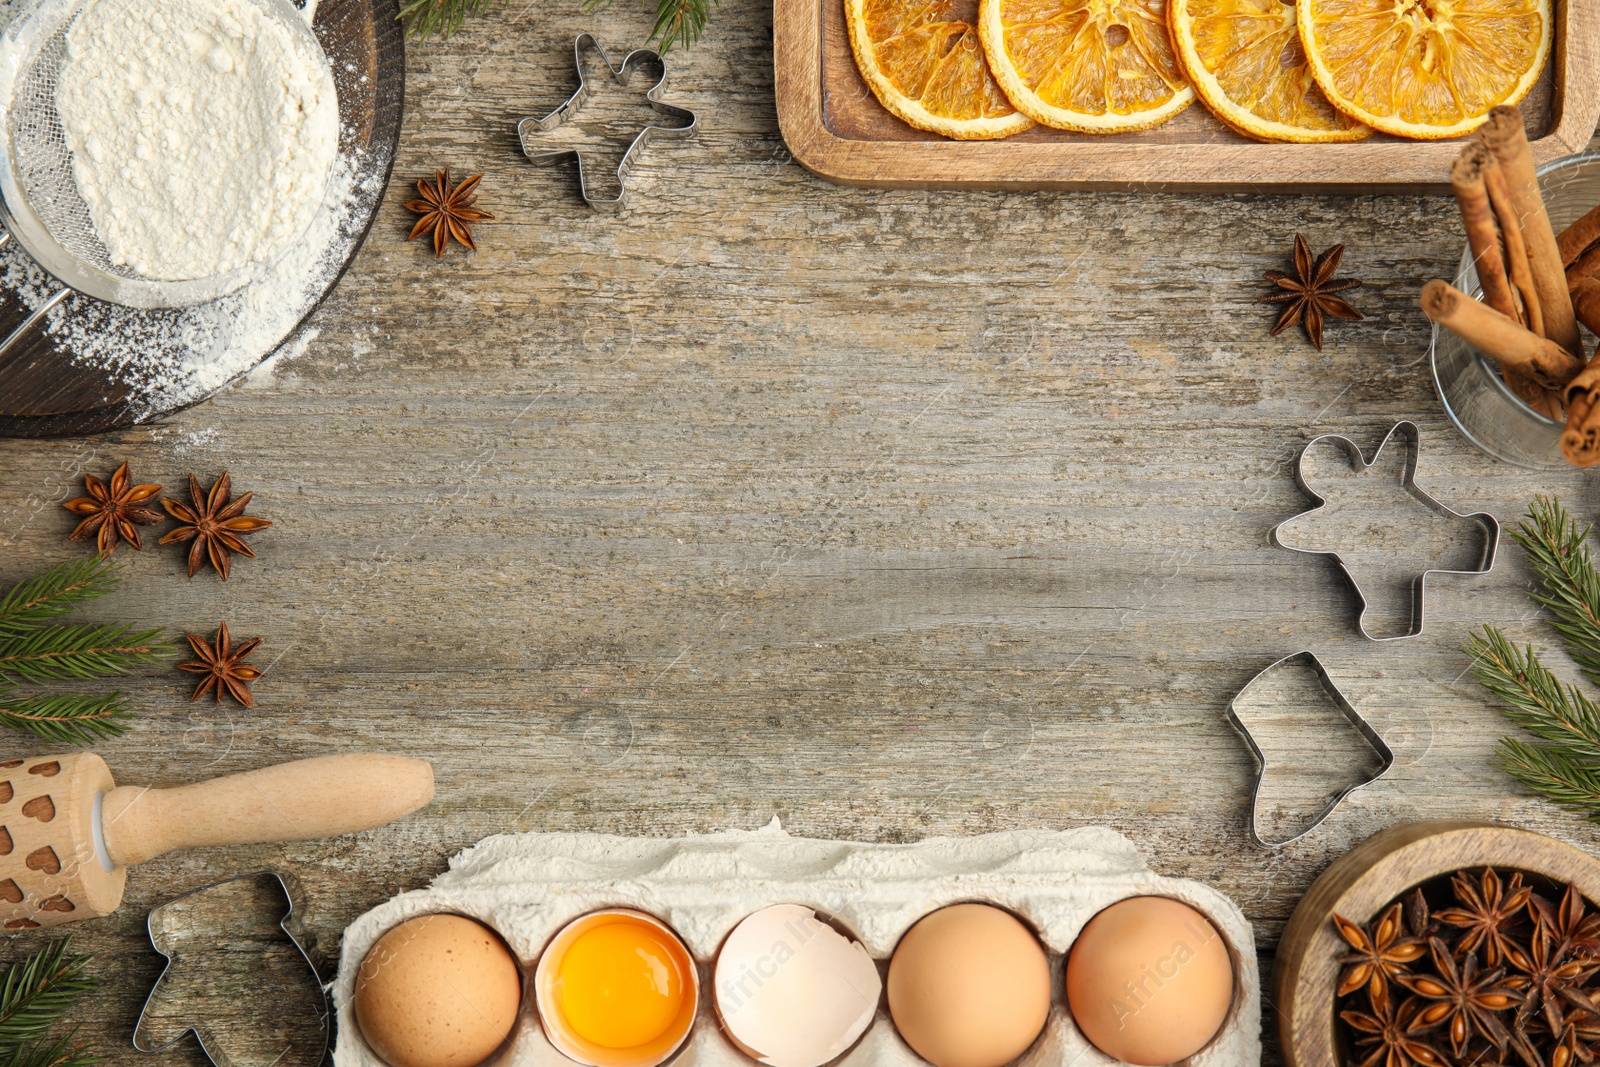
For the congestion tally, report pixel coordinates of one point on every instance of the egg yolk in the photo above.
(621, 984)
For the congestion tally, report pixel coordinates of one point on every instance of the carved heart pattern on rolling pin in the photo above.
(68, 833)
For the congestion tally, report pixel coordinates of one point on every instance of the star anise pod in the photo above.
(113, 512)
(447, 211)
(1486, 912)
(1555, 980)
(1378, 955)
(214, 523)
(1461, 999)
(223, 666)
(1572, 1051)
(1310, 291)
(1578, 1042)
(1571, 921)
(1421, 923)
(1389, 1037)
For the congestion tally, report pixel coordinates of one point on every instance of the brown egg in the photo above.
(437, 991)
(969, 986)
(1149, 981)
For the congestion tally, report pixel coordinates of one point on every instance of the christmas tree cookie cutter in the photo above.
(281, 1047)
(1408, 433)
(683, 124)
(1371, 736)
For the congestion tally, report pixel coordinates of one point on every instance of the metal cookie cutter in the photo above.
(528, 130)
(275, 1040)
(1364, 728)
(1409, 431)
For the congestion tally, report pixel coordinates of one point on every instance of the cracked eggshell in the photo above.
(792, 991)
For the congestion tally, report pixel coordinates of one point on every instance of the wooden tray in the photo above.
(46, 392)
(1363, 881)
(837, 129)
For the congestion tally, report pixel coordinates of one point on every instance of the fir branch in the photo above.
(1535, 699)
(53, 653)
(37, 992)
(54, 592)
(1558, 553)
(70, 719)
(63, 1052)
(32, 650)
(424, 18)
(678, 22)
(1563, 764)
(1554, 774)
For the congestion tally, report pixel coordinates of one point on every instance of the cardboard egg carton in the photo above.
(527, 886)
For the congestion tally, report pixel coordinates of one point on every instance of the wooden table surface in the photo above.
(892, 514)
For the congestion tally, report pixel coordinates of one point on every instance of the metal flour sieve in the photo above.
(39, 201)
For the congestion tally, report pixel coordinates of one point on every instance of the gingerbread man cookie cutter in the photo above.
(530, 129)
(1408, 432)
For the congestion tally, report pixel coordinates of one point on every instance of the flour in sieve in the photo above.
(202, 132)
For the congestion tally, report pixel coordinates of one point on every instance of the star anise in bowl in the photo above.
(1480, 968)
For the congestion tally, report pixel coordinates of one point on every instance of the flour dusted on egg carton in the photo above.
(528, 888)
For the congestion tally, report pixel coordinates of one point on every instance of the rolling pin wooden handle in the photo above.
(320, 797)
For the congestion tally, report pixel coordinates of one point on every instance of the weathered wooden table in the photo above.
(892, 514)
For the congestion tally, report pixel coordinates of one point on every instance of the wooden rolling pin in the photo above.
(68, 832)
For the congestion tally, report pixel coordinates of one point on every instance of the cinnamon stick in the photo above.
(1514, 346)
(1483, 234)
(1586, 303)
(1587, 265)
(1580, 441)
(1577, 238)
(1504, 135)
(1516, 253)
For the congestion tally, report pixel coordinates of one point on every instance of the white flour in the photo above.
(175, 357)
(167, 359)
(202, 131)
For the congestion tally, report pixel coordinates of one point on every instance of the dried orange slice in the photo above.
(1425, 68)
(923, 61)
(1098, 66)
(1245, 59)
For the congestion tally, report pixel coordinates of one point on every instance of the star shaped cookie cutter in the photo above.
(1363, 727)
(1406, 430)
(528, 130)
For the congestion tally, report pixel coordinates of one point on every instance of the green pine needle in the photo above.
(1559, 556)
(54, 592)
(36, 993)
(1534, 698)
(425, 18)
(71, 719)
(1553, 774)
(63, 1052)
(53, 653)
(678, 22)
(1563, 765)
(32, 650)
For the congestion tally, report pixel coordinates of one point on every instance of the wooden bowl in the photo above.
(1363, 881)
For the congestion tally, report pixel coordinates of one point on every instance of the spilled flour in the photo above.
(172, 358)
(167, 359)
(202, 132)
